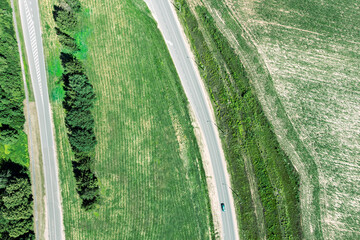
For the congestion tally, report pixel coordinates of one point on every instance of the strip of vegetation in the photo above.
(78, 103)
(16, 213)
(11, 90)
(207, 63)
(247, 133)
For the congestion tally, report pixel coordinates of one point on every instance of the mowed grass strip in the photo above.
(147, 159)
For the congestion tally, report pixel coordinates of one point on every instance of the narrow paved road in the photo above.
(170, 28)
(30, 22)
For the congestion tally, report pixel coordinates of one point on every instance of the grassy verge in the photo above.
(147, 160)
(248, 134)
(36, 168)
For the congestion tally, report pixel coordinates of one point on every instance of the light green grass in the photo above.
(17, 152)
(147, 160)
(302, 58)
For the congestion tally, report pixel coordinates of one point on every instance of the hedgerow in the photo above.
(78, 103)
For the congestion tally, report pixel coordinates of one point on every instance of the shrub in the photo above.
(65, 19)
(66, 40)
(16, 213)
(74, 5)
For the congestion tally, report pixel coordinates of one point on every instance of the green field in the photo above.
(147, 160)
(302, 58)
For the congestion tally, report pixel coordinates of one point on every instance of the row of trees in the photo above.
(78, 103)
(16, 213)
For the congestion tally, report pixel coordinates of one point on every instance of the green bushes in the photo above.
(16, 213)
(74, 5)
(66, 40)
(65, 19)
(11, 87)
(247, 133)
(78, 102)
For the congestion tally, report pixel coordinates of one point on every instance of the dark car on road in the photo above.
(223, 207)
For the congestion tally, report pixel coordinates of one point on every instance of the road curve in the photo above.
(30, 22)
(171, 30)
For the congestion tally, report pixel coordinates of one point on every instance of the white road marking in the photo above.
(30, 21)
(169, 42)
(34, 49)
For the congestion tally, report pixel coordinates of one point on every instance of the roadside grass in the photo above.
(36, 168)
(302, 59)
(147, 161)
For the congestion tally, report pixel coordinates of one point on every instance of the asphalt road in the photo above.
(30, 22)
(164, 14)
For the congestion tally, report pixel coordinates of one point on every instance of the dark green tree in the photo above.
(8, 135)
(21, 229)
(16, 214)
(79, 119)
(74, 5)
(87, 186)
(80, 93)
(82, 140)
(65, 19)
(3, 64)
(17, 200)
(66, 40)
(71, 65)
